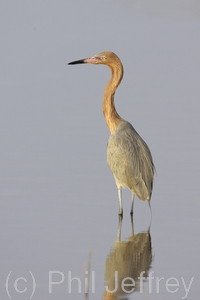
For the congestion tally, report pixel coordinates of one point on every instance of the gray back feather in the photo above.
(130, 161)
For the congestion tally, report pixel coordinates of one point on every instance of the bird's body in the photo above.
(128, 156)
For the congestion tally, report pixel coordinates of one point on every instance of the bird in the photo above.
(128, 156)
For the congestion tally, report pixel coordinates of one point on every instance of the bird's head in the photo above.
(105, 58)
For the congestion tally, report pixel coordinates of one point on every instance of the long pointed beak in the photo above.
(80, 61)
(90, 60)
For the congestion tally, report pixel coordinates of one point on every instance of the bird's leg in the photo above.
(131, 212)
(119, 228)
(132, 225)
(120, 201)
(150, 211)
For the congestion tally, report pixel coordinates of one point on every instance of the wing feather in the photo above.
(130, 161)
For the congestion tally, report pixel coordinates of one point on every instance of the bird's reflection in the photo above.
(127, 262)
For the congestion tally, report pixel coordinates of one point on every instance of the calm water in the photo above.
(58, 197)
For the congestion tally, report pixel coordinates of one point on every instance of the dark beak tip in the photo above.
(80, 61)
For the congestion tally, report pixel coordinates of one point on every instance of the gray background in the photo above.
(58, 196)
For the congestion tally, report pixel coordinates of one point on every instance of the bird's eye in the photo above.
(103, 57)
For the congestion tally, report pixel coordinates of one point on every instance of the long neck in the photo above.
(109, 111)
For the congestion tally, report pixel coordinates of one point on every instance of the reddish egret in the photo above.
(128, 156)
